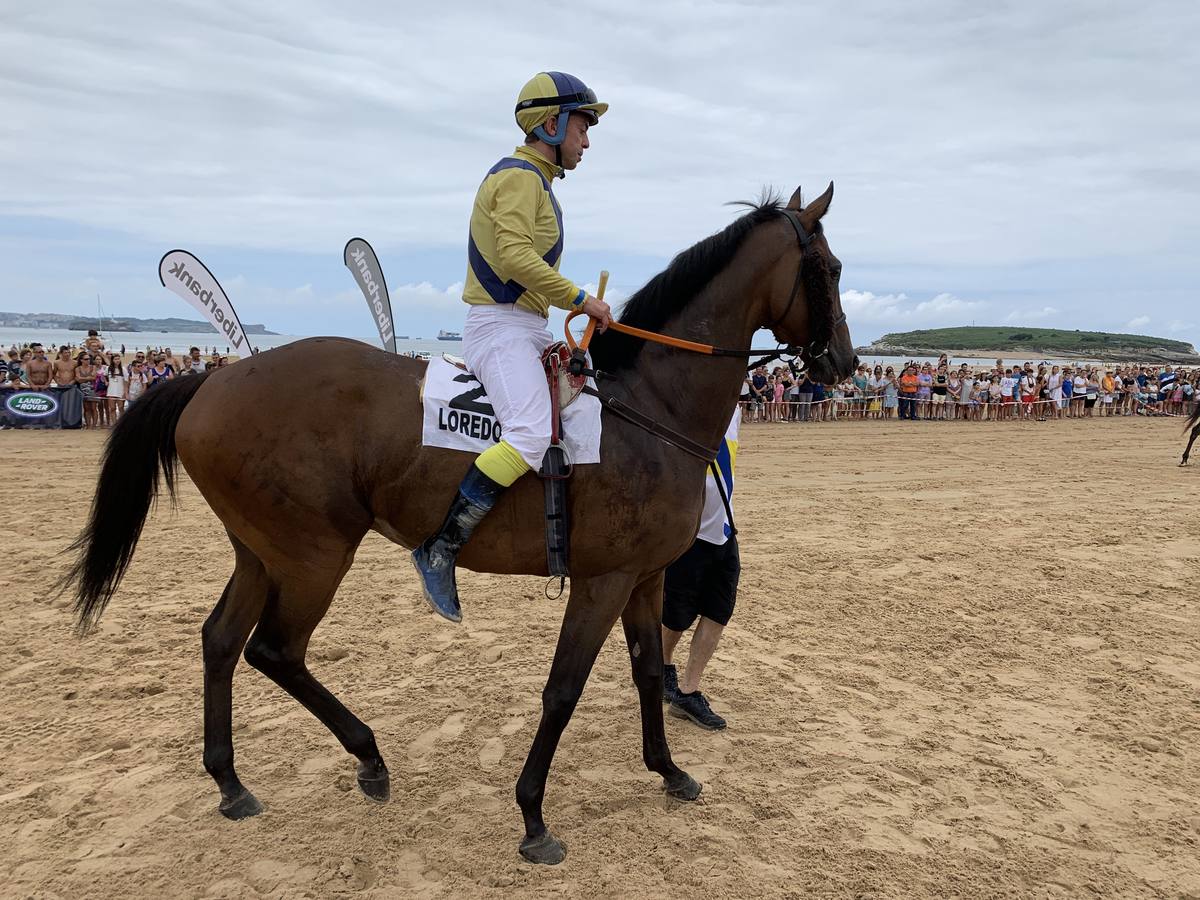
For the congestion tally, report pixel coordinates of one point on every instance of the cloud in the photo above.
(867, 311)
(1032, 315)
(960, 145)
(1138, 323)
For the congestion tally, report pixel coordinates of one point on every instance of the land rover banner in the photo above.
(360, 259)
(191, 280)
(55, 408)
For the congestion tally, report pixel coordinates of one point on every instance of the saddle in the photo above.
(564, 388)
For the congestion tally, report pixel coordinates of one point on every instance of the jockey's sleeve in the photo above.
(514, 211)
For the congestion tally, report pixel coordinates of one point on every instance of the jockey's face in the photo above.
(576, 140)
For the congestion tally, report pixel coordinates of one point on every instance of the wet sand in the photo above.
(965, 662)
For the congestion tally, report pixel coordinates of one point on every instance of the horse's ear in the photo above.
(797, 201)
(812, 213)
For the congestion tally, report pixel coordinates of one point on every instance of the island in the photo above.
(1033, 343)
(72, 322)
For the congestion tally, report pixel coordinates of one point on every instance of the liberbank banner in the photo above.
(184, 274)
(363, 264)
(42, 409)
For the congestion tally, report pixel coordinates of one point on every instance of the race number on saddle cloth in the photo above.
(458, 414)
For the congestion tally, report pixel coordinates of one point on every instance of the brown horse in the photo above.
(327, 444)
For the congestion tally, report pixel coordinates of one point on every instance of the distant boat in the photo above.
(449, 336)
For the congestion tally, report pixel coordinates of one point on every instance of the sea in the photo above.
(181, 341)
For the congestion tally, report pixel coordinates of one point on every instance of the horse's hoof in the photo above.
(545, 849)
(374, 782)
(243, 806)
(683, 787)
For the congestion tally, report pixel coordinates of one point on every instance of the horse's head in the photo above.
(805, 310)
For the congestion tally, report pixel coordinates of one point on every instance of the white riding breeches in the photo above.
(503, 347)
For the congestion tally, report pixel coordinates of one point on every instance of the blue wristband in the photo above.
(579, 298)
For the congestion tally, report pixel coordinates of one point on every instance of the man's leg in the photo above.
(704, 644)
(719, 571)
(670, 641)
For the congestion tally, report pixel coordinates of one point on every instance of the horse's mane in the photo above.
(672, 289)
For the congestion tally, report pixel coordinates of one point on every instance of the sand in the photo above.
(964, 662)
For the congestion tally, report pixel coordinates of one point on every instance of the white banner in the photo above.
(182, 273)
(363, 264)
(458, 415)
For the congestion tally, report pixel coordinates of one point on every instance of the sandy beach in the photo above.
(965, 662)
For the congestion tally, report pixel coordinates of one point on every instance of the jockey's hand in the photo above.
(598, 310)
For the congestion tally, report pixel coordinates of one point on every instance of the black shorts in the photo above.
(702, 582)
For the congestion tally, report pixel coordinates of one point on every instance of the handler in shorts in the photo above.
(702, 584)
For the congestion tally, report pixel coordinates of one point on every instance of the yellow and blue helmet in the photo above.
(554, 93)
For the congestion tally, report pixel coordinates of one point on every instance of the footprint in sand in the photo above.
(491, 753)
(451, 728)
(512, 726)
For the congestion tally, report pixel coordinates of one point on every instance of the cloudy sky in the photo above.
(1024, 163)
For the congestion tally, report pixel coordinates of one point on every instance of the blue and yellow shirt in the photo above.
(516, 238)
(714, 524)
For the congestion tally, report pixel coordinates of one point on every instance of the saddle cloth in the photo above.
(458, 416)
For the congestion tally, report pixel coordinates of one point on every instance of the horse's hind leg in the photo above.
(277, 649)
(1187, 451)
(591, 613)
(642, 619)
(224, 634)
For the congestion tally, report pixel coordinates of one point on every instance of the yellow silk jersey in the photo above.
(516, 238)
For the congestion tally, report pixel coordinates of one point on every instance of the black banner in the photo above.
(42, 409)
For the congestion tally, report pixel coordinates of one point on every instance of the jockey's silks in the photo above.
(516, 238)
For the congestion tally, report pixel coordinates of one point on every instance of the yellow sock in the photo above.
(501, 463)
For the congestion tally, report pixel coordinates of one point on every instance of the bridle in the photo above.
(818, 346)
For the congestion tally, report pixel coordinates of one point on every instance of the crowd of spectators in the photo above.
(941, 392)
(107, 380)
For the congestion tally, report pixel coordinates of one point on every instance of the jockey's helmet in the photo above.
(554, 93)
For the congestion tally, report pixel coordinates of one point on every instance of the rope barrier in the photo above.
(875, 405)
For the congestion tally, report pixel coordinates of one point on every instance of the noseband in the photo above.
(818, 346)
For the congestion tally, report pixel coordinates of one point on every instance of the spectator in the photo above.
(194, 362)
(117, 387)
(924, 391)
(137, 382)
(161, 371)
(804, 395)
(38, 371)
(909, 387)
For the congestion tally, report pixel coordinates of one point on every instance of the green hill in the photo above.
(1019, 341)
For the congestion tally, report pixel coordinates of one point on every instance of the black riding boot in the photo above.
(435, 558)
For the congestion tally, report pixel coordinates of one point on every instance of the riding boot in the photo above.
(435, 559)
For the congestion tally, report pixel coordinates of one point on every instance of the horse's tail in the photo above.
(142, 442)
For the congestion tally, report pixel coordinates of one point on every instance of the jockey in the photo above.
(513, 249)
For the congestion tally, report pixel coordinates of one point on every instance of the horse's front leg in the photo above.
(642, 619)
(592, 611)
